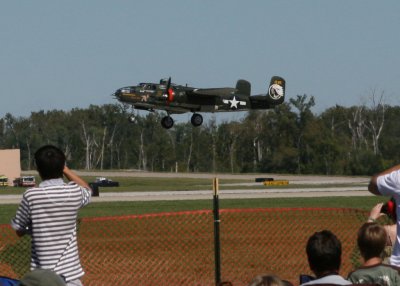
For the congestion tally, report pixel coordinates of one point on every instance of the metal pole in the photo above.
(217, 247)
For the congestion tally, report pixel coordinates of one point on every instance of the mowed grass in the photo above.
(128, 208)
(105, 209)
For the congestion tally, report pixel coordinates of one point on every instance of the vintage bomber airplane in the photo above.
(180, 99)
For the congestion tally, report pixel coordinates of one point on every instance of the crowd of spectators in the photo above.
(379, 245)
(324, 252)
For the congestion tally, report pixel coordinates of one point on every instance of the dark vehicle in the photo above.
(104, 182)
(175, 99)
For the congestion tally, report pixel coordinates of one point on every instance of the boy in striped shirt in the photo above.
(49, 214)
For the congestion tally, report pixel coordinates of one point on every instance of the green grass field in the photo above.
(127, 208)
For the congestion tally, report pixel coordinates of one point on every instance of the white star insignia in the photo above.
(234, 102)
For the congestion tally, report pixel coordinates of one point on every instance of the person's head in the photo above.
(324, 252)
(267, 280)
(50, 162)
(371, 240)
(42, 277)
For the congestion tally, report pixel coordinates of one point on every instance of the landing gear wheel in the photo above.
(167, 122)
(132, 119)
(196, 119)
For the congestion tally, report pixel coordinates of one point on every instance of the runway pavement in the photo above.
(227, 194)
(223, 194)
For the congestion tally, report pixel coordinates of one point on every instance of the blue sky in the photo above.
(65, 54)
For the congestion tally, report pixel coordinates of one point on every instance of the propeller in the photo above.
(169, 94)
(168, 83)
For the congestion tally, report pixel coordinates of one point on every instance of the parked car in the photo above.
(104, 182)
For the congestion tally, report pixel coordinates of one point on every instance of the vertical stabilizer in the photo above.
(243, 87)
(276, 90)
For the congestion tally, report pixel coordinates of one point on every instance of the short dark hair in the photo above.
(324, 252)
(371, 240)
(50, 162)
(266, 280)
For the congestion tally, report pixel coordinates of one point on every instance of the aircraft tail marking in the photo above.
(276, 89)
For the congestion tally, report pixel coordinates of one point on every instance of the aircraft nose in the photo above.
(117, 93)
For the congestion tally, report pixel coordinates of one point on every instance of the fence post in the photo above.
(217, 247)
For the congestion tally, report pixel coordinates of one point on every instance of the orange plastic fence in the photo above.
(178, 249)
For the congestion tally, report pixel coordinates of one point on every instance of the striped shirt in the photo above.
(49, 214)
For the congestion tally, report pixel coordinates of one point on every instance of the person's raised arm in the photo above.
(373, 184)
(375, 213)
(71, 176)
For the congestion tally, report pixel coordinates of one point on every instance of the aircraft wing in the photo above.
(172, 108)
(212, 92)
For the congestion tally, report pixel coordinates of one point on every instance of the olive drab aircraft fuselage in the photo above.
(176, 99)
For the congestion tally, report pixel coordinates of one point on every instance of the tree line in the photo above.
(357, 140)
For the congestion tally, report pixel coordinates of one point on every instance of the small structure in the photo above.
(10, 164)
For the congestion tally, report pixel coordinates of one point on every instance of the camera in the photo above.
(389, 208)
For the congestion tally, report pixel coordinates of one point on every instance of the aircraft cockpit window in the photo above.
(149, 86)
(126, 90)
(163, 81)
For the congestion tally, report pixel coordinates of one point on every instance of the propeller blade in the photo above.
(169, 83)
(166, 93)
(169, 94)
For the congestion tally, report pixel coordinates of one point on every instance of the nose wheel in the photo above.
(167, 122)
(196, 119)
(132, 119)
